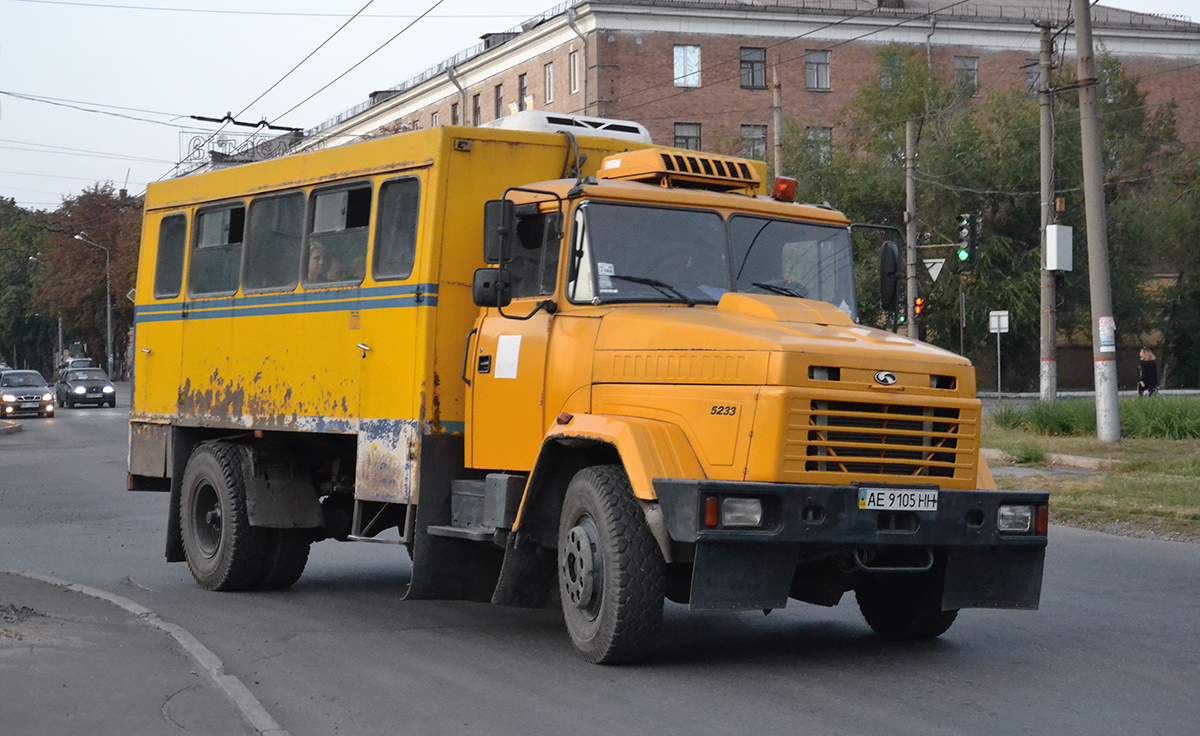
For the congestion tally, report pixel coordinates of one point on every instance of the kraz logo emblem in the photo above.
(886, 378)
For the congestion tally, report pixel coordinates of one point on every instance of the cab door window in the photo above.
(217, 254)
(534, 267)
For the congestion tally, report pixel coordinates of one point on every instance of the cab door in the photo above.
(506, 359)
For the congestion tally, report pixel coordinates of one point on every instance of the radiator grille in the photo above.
(877, 439)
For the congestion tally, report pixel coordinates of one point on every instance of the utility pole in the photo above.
(1049, 302)
(910, 220)
(1104, 327)
(777, 88)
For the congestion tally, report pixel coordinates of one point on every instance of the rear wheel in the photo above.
(610, 569)
(286, 556)
(223, 551)
(905, 607)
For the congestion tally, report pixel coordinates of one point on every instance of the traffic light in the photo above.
(968, 240)
(918, 305)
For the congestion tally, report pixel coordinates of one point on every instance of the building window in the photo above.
(966, 75)
(573, 71)
(687, 66)
(454, 114)
(476, 112)
(889, 71)
(687, 135)
(1033, 70)
(754, 142)
(499, 101)
(548, 75)
(522, 91)
(816, 69)
(433, 120)
(754, 68)
(819, 144)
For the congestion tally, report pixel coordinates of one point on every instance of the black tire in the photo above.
(223, 551)
(611, 572)
(905, 607)
(286, 556)
(113, 402)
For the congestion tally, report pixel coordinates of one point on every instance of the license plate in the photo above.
(29, 405)
(896, 499)
(93, 396)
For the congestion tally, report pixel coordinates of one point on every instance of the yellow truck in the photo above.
(562, 368)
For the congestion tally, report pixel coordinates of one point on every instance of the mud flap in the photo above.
(991, 577)
(444, 568)
(741, 576)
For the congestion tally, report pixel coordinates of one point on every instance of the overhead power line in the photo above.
(268, 13)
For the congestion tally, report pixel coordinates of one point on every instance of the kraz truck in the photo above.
(561, 367)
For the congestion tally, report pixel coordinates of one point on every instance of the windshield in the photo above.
(22, 378)
(624, 253)
(94, 374)
(637, 253)
(795, 259)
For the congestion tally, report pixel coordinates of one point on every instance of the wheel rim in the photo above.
(582, 566)
(206, 519)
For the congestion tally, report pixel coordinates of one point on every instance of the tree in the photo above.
(983, 158)
(74, 285)
(26, 332)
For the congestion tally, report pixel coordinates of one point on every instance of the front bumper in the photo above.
(741, 568)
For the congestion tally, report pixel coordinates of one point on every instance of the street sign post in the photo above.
(998, 323)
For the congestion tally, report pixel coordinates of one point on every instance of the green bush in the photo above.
(1159, 417)
(1026, 453)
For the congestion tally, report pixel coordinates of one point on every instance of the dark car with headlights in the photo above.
(84, 386)
(25, 392)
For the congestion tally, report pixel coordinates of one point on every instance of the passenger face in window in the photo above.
(317, 262)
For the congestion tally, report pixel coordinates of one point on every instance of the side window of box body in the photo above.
(396, 227)
(339, 227)
(216, 254)
(168, 266)
(274, 239)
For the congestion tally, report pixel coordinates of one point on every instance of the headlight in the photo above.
(47, 397)
(109, 389)
(8, 397)
(80, 390)
(741, 512)
(1014, 518)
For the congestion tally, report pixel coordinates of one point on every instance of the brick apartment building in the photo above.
(698, 73)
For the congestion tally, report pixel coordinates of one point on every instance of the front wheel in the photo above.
(905, 607)
(223, 551)
(610, 569)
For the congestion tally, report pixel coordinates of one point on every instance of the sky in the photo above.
(102, 90)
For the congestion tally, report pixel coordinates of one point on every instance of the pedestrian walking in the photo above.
(1147, 373)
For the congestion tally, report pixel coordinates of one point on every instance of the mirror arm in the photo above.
(546, 304)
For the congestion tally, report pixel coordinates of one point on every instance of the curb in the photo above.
(249, 706)
(1053, 458)
(7, 427)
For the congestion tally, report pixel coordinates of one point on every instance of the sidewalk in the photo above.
(74, 663)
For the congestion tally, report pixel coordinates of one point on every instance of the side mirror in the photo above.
(499, 230)
(492, 287)
(889, 275)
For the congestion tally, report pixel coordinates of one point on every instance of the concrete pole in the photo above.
(1104, 328)
(1049, 362)
(777, 87)
(910, 220)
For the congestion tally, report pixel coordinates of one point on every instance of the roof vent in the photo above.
(683, 169)
(548, 122)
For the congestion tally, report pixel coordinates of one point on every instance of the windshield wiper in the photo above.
(661, 286)
(776, 289)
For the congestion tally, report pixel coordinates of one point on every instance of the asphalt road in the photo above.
(1115, 648)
